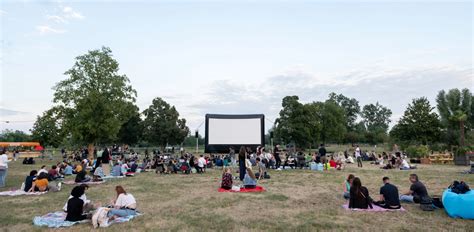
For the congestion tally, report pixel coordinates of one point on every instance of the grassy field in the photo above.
(298, 200)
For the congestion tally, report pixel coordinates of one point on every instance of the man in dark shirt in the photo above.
(417, 191)
(388, 195)
(322, 153)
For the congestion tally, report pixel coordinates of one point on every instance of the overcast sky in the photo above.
(238, 56)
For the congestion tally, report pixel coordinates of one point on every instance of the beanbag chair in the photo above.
(459, 205)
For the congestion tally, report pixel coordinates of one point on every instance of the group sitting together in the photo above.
(359, 197)
(79, 208)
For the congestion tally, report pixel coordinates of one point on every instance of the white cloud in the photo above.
(45, 29)
(2, 12)
(56, 18)
(394, 88)
(68, 12)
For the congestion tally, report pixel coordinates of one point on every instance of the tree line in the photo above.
(340, 119)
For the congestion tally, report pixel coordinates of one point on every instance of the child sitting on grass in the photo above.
(227, 179)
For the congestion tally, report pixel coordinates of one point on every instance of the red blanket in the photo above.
(243, 190)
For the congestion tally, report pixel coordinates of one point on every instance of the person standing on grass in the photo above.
(388, 195)
(242, 163)
(358, 156)
(201, 164)
(322, 153)
(417, 191)
(105, 160)
(277, 153)
(3, 168)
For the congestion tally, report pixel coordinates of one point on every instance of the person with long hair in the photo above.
(123, 205)
(75, 205)
(347, 186)
(242, 168)
(359, 196)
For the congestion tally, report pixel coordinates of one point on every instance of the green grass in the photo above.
(296, 200)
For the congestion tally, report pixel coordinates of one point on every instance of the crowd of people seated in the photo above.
(389, 197)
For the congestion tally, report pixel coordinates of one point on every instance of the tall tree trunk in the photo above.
(90, 148)
(461, 130)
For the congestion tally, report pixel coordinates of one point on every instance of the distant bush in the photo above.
(419, 151)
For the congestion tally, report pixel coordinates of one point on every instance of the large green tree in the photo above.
(419, 124)
(292, 125)
(455, 109)
(131, 130)
(95, 98)
(351, 109)
(162, 124)
(376, 118)
(48, 128)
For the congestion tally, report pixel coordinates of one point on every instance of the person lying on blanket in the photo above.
(359, 196)
(75, 205)
(29, 180)
(250, 181)
(87, 203)
(347, 186)
(227, 179)
(41, 184)
(388, 195)
(123, 205)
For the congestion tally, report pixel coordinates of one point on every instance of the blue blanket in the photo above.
(57, 219)
(459, 205)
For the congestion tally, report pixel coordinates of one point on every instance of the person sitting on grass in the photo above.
(405, 166)
(388, 195)
(29, 180)
(81, 177)
(347, 186)
(250, 181)
(116, 170)
(262, 170)
(67, 169)
(227, 179)
(98, 172)
(75, 205)
(78, 169)
(43, 170)
(417, 191)
(359, 196)
(87, 203)
(53, 173)
(123, 205)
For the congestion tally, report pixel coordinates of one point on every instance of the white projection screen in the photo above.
(224, 131)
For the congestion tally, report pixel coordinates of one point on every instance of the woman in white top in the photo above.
(3, 168)
(124, 205)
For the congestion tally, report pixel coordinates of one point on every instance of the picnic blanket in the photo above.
(57, 219)
(112, 177)
(375, 209)
(243, 190)
(20, 192)
(71, 182)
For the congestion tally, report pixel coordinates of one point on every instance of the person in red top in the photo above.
(53, 173)
(332, 162)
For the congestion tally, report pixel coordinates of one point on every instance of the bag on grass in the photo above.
(426, 204)
(459, 187)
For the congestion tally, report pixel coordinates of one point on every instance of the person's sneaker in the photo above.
(59, 186)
